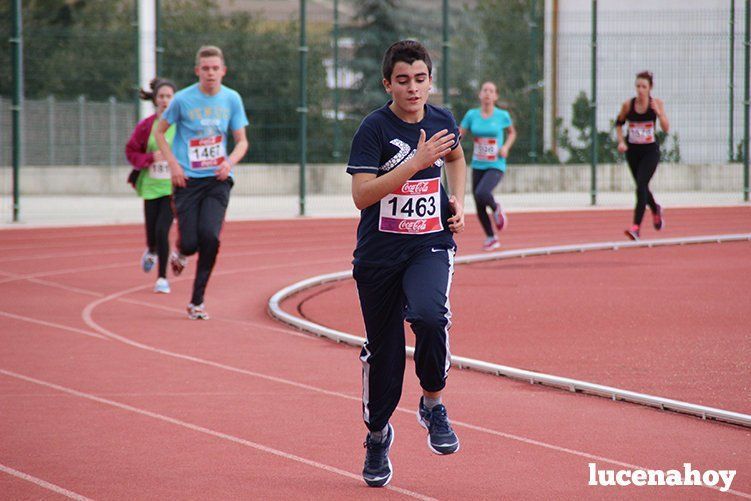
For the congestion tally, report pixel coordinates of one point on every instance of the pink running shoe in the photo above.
(657, 219)
(499, 217)
(177, 262)
(633, 232)
(490, 244)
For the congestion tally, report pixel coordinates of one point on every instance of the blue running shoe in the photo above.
(148, 260)
(378, 471)
(441, 437)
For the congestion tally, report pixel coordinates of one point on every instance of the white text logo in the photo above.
(640, 478)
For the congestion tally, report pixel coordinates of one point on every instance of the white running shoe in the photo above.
(162, 286)
(197, 312)
(148, 260)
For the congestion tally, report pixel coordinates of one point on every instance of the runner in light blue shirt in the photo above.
(200, 168)
(203, 121)
(488, 124)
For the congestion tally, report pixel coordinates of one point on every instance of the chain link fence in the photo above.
(81, 74)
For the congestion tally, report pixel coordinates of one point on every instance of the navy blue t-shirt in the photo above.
(415, 215)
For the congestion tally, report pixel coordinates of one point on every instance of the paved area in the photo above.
(87, 210)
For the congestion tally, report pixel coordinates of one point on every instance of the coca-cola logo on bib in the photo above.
(414, 225)
(417, 188)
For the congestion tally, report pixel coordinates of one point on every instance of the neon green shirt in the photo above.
(155, 182)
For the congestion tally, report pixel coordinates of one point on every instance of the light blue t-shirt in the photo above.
(488, 137)
(203, 121)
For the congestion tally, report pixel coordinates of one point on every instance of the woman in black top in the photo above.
(641, 147)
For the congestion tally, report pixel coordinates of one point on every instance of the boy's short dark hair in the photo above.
(406, 51)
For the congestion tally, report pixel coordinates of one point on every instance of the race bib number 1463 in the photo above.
(413, 209)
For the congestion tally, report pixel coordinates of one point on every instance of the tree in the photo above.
(376, 27)
(494, 44)
(77, 47)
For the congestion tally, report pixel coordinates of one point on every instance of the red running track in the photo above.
(667, 321)
(107, 391)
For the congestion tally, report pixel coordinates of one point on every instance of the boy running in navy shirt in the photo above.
(404, 258)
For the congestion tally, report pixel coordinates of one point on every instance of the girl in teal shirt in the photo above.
(491, 147)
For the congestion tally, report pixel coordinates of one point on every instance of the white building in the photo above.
(685, 43)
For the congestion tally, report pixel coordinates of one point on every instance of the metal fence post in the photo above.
(593, 108)
(51, 130)
(533, 96)
(158, 38)
(731, 85)
(746, 103)
(337, 129)
(81, 130)
(303, 109)
(445, 63)
(113, 131)
(16, 43)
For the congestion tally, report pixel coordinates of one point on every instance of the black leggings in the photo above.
(158, 216)
(200, 208)
(643, 163)
(483, 184)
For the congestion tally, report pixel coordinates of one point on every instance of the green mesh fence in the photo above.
(81, 78)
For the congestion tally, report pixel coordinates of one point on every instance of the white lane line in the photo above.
(207, 431)
(273, 250)
(249, 323)
(87, 314)
(53, 325)
(43, 483)
(66, 271)
(60, 255)
(64, 287)
(87, 317)
(582, 454)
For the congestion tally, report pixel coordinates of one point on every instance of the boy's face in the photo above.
(210, 71)
(409, 86)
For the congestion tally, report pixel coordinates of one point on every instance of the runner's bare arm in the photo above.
(619, 128)
(659, 106)
(177, 173)
(238, 152)
(456, 175)
(510, 140)
(368, 189)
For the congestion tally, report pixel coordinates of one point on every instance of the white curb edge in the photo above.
(573, 385)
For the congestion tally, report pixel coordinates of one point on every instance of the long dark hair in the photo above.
(155, 85)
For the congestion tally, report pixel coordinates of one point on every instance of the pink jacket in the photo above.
(135, 150)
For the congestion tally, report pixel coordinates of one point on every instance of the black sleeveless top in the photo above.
(642, 126)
